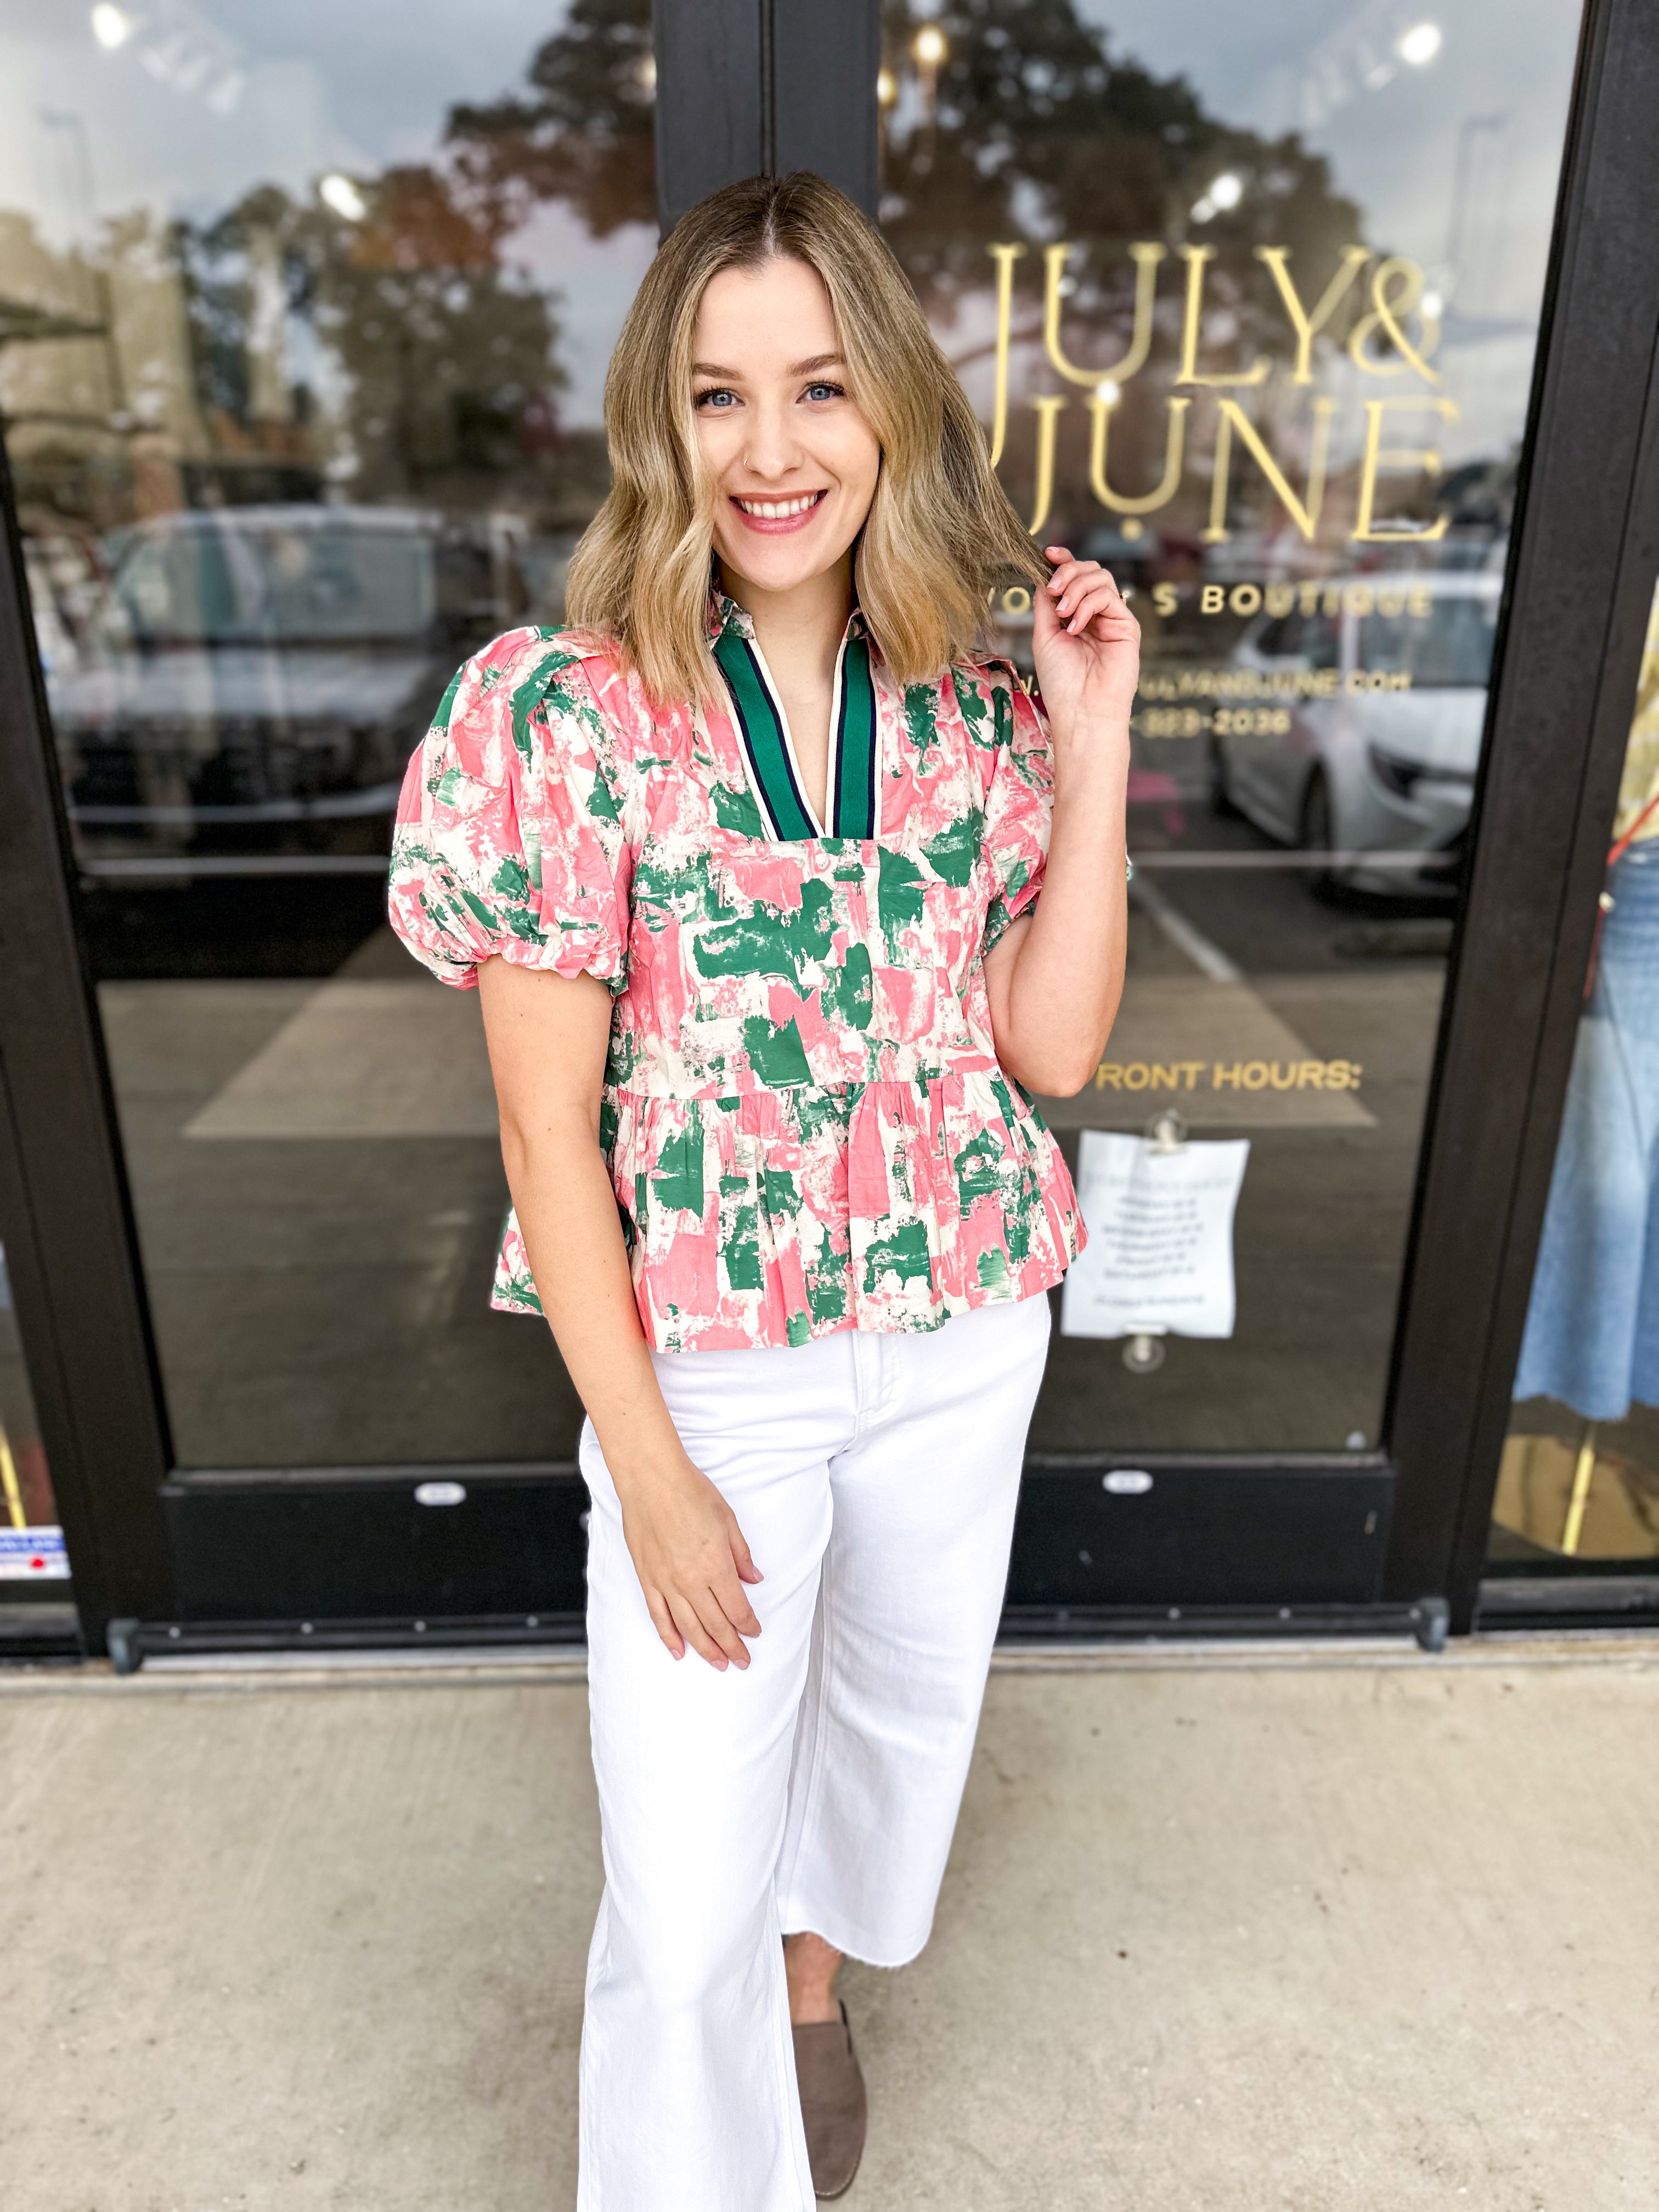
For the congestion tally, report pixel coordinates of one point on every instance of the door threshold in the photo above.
(1594, 1600)
(450, 1659)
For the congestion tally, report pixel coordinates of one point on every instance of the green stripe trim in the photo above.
(855, 746)
(761, 727)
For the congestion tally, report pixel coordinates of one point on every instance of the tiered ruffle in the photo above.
(772, 1216)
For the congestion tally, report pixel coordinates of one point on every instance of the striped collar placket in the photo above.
(854, 728)
(763, 731)
(769, 761)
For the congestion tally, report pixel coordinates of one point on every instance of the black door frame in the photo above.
(746, 84)
(765, 85)
(1583, 557)
(65, 1212)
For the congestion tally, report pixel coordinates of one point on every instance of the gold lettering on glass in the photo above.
(1174, 448)
(1305, 515)
(1307, 326)
(1378, 456)
(1046, 409)
(1191, 327)
(1004, 257)
(1396, 292)
(1145, 258)
(1397, 295)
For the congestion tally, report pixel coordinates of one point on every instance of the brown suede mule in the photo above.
(832, 2102)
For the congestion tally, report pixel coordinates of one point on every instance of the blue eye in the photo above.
(821, 390)
(716, 392)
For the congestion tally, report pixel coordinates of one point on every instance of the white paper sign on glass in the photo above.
(1159, 1256)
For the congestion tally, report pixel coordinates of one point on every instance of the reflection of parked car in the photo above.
(1363, 733)
(256, 677)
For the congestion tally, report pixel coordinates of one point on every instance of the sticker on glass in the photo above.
(33, 1555)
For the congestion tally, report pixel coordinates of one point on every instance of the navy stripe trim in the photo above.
(761, 727)
(855, 746)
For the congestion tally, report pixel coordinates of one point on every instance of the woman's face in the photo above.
(794, 461)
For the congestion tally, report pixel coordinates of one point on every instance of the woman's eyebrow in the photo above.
(795, 368)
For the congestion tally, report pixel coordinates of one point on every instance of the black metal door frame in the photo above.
(1582, 567)
(750, 84)
(746, 86)
(65, 1214)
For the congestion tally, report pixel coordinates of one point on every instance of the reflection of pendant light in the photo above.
(110, 26)
(338, 192)
(1351, 60)
(929, 47)
(1225, 192)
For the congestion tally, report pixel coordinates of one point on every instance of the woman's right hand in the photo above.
(548, 1037)
(691, 1560)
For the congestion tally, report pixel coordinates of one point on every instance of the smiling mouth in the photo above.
(779, 510)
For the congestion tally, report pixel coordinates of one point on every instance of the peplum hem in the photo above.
(770, 1217)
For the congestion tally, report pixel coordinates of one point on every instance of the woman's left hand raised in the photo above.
(1086, 647)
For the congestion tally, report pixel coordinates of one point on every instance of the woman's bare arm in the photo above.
(1055, 975)
(547, 1036)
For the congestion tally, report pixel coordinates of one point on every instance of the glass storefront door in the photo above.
(304, 318)
(1249, 302)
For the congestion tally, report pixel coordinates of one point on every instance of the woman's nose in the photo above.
(773, 448)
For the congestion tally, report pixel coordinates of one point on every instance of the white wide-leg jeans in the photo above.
(875, 1477)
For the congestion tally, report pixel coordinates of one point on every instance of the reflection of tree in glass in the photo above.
(583, 134)
(442, 367)
(1028, 129)
(1025, 128)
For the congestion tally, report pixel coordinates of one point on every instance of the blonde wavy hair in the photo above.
(940, 532)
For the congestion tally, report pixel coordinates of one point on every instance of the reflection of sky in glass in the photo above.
(1497, 88)
(360, 86)
(1303, 65)
(354, 86)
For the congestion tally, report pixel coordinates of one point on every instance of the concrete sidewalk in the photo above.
(1345, 1931)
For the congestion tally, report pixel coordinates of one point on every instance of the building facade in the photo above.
(1331, 330)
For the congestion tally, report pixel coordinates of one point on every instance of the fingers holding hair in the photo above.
(1073, 581)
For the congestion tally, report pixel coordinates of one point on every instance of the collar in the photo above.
(773, 772)
(723, 617)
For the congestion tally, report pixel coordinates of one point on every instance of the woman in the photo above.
(746, 868)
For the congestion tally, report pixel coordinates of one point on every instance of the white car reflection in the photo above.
(256, 673)
(1382, 758)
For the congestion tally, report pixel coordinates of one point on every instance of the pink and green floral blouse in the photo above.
(806, 1125)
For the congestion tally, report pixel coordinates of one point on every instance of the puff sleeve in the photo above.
(1019, 808)
(509, 838)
